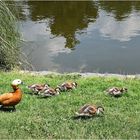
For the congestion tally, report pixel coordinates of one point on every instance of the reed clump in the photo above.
(9, 39)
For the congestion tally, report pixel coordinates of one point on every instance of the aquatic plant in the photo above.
(9, 39)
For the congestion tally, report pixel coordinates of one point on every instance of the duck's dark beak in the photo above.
(22, 83)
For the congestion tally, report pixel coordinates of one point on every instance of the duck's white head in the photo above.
(100, 110)
(16, 82)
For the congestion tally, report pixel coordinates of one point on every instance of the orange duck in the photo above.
(67, 86)
(12, 98)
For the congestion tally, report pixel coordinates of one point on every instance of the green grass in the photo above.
(52, 118)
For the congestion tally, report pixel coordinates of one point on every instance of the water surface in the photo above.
(83, 36)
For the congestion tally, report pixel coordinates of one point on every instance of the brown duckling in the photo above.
(50, 92)
(66, 86)
(116, 92)
(37, 88)
(89, 110)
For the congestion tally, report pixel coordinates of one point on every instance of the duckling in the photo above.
(50, 92)
(90, 110)
(37, 88)
(116, 92)
(12, 98)
(67, 86)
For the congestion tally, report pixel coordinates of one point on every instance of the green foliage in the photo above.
(9, 38)
(52, 118)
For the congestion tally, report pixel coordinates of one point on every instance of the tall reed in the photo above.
(9, 39)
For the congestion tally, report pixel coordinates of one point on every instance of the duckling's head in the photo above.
(57, 89)
(46, 85)
(74, 84)
(17, 82)
(124, 90)
(100, 109)
(60, 88)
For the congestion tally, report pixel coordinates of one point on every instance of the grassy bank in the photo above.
(52, 117)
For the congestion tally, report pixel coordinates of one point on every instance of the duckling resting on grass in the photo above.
(12, 98)
(50, 92)
(89, 111)
(38, 88)
(116, 92)
(67, 86)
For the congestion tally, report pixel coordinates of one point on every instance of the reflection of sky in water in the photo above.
(105, 46)
(41, 47)
(120, 30)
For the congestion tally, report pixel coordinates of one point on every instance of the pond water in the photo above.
(87, 36)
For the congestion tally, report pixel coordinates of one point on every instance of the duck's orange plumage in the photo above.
(12, 98)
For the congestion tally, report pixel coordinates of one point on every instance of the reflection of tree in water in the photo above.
(120, 9)
(68, 17)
